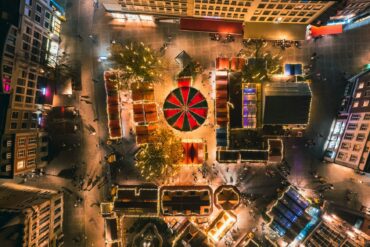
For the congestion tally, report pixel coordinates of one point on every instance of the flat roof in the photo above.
(136, 199)
(274, 31)
(17, 197)
(286, 103)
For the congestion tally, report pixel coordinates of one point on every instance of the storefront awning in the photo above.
(326, 30)
(274, 31)
(211, 25)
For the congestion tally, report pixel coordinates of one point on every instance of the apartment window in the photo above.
(57, 211)
(310, 14)
(353, 158)
(31, 151)
(27, 11)
(25, 46)
(24, 125)
(345, 145)
(38, 18)
(21, 153)
(14, 115)
(38, 8)
(367, 117)
(57, 220)
(356, 116)
(21, 141)
(20, 164)
(356, 147)
(289, 6)
(361, 85)
(360, 137)
(21, 82)
(342, 156)
(29, 2)
(9, 143)
(29, 100)
(13, 126)
(47, 15)
(299, 6)
(348, 136)
(364, 127)
(57, 202)
(44, 229)
(355, 104)
(365, 103)
(8, 156)
(358, 95)
(31, 162)
(352, 126)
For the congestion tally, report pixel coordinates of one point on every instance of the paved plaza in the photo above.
(337, 54)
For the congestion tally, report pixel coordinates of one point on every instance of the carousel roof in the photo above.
(227, 197)
(185, 109)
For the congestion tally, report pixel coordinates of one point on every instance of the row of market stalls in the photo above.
(111, 79)
(224, 65)
(236, 116)
(145, 111)
(210, 213)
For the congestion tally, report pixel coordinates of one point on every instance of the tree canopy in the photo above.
(137, 62)
(157, 160)
(261, 62)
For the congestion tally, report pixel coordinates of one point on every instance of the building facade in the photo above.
(348, 142)
(279, 11)
(28, 52)
(30, 216)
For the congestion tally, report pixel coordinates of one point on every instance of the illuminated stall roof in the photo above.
(186, 200)
(136, 200)
(227, 197)
(194, 152)
(221, 225)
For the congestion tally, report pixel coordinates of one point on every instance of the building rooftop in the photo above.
(186, 200)
(192, 236)
(294, 98)
(289, 217)
(18, 197)
(136, 199)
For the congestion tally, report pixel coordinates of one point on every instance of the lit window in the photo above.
(355, 104)
(21, 153)
(358, 95)
(27, 11)
(366, 103)
(20, 164)
(361, 85)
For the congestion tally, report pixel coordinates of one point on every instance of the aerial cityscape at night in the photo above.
(184, 123)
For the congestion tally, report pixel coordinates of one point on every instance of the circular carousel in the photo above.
(185, 109)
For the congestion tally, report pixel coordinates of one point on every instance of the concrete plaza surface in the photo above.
(337, 54)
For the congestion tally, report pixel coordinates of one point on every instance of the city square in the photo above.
(166, 130)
